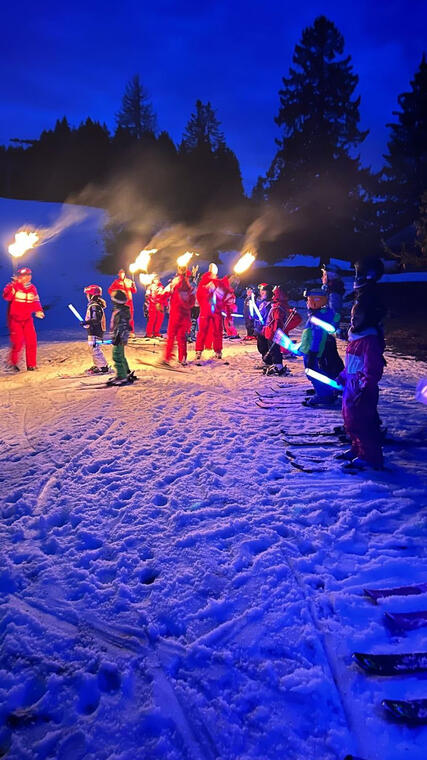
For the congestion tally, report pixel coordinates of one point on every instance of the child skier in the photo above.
(95, 324)
(248, 312)
(260, 320)
(275, 320)
(313, 343)
(120, 327)
(129, 288)
(363, 370)
(23, 303)
(182, 300)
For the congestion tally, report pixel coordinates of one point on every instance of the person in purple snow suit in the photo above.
(363, 370)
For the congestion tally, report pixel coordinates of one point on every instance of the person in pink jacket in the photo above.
(363, 370)
(23, 303)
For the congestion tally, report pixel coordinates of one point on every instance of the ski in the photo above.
(263, 405)
(382, 593)
(407, 710)
(406, 621)
(303, 442)
(161, 366)
(391, 664)
(305, 468)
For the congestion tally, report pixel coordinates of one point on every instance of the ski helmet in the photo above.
(24, 270)
(93, 290)
(316, 298)
(118, 296)
(367, 270)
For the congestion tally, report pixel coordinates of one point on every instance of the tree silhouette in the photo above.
(406, 170)
(136, 114)
(314, 178)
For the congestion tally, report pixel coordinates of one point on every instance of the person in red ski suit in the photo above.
(129, 288)
(157, 299)
(230, 307)
(211, 293)
(363, 370)
(182, 300)
(23, 303)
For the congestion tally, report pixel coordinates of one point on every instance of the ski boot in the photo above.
(30, 369)
(199, 358)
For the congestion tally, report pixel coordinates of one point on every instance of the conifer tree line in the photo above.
(325, 202)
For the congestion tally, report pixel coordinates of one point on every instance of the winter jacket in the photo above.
(23, 300)
(120, 325)
(276, 317)
(313, 339)
(127, 286)
(264, 307)
(205, 290)
(364, 362)
(156, 297)
(182, 299)
(95, 317)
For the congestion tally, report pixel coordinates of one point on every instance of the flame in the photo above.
(142, 261)
(133, 268)
(244, 263)
(146, 279)
(23, 242)
(184, 260)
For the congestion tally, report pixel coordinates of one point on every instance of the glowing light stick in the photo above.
(23, 242)
(258, 313)
(284, 340)
(251, 305)
(421, 392)
(324, 325)
(213, 302)
(232, 314)
(244, 263)
(75, 312)
(323, 379)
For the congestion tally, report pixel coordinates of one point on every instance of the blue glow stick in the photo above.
(324, 325)
(323, 379)
(251, 306)
(258, 313)
(232, 314)
(284, 340)
(75, 312)
(213, 302)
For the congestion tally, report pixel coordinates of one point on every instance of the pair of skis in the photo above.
(409, 711)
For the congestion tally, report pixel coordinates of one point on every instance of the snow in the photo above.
(171, 586)
(299, 260)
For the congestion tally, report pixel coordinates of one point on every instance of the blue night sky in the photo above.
(75, 59)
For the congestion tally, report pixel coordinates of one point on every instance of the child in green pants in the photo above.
(120, 327)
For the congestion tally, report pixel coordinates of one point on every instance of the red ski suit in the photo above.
(23, 302)
(182, 301)
(364, 366)
(157, 300)
(230, 307)
(129, 288)
(211, 296)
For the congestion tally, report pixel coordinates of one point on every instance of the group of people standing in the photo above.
(265, 313)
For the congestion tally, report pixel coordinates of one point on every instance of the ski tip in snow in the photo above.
(409, 711)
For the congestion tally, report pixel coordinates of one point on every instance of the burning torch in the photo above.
(24, 241)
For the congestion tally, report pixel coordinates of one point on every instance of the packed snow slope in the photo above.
(174, 588)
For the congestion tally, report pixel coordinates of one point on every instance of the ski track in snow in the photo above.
(174, 588)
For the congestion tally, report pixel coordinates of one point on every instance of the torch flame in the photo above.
(23, 242)
(244, 263)
(186, 257)
(146, 279)
(142, 261)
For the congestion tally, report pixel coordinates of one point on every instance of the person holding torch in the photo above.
(23, 301)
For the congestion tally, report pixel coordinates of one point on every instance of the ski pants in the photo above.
(120, 362)
(249, 324)
(229, 326)
(262, 346)
(23, 332)
(155, 321)
(131, 319)
(205, 322)
(275, 354)
(177, 330)
(98, 357)
(323, 391)
(362, 423)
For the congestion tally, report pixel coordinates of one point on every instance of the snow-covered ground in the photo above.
(171, 585)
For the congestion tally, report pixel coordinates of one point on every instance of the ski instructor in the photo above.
(23, 303)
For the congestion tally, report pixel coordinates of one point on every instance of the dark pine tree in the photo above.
(406, 170)
(210, 171)
(136, 114)
(324, 195)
